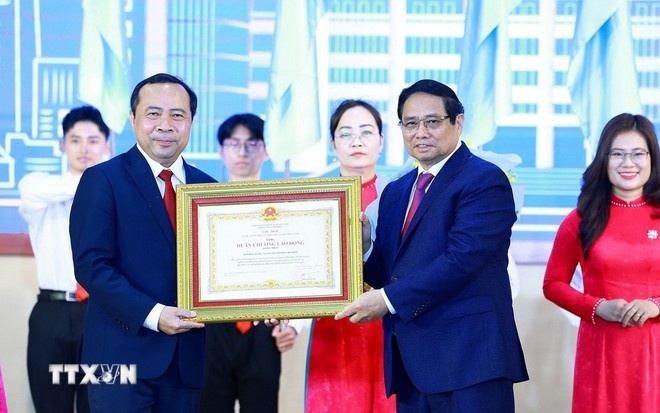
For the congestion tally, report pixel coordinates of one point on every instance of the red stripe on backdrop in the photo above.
(15, 244)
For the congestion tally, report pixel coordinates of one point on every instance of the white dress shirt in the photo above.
(45, 205)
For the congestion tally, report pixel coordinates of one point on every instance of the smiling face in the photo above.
(429, 146)
(84, 145)
(357, 143)
(162, 121)
(627, 177)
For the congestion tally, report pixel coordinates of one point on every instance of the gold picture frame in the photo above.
(269, 249)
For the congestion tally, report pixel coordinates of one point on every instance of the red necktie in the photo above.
(422, 182)
(169, 197)
(243, 326)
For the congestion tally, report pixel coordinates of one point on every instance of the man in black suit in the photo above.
(124, 251)
(439, 269)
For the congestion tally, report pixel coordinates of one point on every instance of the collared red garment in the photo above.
(616, 368)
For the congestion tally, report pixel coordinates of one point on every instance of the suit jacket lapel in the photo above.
(446, 175)
(192, 174)
(398, 211)
(139, 171)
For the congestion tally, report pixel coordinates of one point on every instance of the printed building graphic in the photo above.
(366, 49)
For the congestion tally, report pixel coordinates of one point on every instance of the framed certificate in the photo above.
(269, 249)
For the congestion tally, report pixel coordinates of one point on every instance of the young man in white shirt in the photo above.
(243, 362)
(56, 322)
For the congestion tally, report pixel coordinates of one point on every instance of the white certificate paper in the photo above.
(269, 250)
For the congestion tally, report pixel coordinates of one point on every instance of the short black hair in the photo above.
(252, 122)
(350, 104)
(85, 113)
(163, 78)
(453, 106)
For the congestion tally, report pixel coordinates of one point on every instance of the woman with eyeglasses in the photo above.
(345, 367)
(614, 236)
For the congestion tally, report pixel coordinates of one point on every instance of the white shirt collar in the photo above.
(435, 169)
(156, 168)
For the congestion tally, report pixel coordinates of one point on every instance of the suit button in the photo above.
(395, 278)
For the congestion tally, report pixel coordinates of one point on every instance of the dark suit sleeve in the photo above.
(373, 269)
(466, 239)
(95, 243)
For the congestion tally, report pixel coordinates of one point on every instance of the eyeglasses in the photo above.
(638, 156)
(363, 135)
(250, 145)
(431, 123)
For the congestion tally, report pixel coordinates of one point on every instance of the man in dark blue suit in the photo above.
(124, 251)
(440, 276)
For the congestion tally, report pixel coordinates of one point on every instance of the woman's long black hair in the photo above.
(595, 195)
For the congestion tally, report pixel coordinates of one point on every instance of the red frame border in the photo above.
(341, 195)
